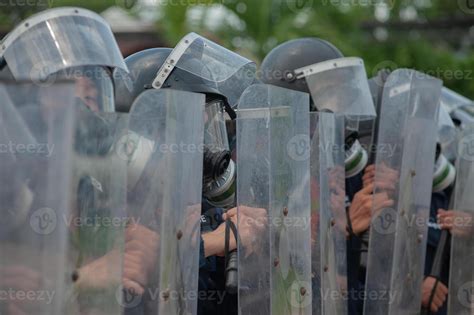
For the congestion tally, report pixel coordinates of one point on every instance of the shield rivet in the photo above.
(75, 276)
(285, 211)
(302, 291)
(166, 295)
(179, 235)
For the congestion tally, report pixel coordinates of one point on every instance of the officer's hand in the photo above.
(360, 211)
(98, 274)
(386, 177)
(141, 248)
(459, 223)
(21, 279)
(439, 296)
(250, 223)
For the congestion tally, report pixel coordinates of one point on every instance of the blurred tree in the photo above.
(434, 36)
(254, 27)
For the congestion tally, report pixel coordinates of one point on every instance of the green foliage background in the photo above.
(263, 24)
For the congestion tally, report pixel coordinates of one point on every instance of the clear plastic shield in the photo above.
(273, 197)
(328, 217)
(98, 219)
(227, 72)
(453, 100)
(60, 38)
(461, 278)
(164, 149)
(404, 173)
(340, 86)
(37, 129)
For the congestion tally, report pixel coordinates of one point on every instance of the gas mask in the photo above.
(218, 168)
(444, 172)
(356, 157)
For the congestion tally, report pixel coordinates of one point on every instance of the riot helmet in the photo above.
(70, 43)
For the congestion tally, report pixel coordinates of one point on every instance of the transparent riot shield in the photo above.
(164, 148)
(36, 125)
(328, 217)
(273, 198)
(404, 173)
(461, 278)
(97, 220)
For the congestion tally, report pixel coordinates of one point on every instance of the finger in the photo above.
(132, 286)
(443, 288)
(230, 213)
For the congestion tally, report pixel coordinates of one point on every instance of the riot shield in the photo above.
(273, 198)
(97, 219)
(404, 173)
(328, 217)
(461, 278)
(37, 128)
(164, 149)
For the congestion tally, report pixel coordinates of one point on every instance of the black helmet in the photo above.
(144, 66)
(278, 67)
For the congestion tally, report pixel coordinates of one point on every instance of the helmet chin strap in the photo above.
(356, 159)
(444, 174)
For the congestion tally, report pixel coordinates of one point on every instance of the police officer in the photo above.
(222, 86)
(279, 68)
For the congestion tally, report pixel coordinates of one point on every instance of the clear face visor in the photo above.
(340, 86)
(59, 39)
(215, 130)
(225, 70)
